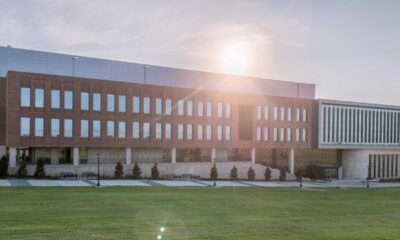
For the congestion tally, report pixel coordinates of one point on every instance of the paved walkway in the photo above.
(199, 183)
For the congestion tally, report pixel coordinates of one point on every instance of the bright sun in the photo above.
(234, 58)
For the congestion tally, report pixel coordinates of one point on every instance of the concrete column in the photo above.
(2, 151)
(173, 155)
(54, 156)
(213, 155)
(128, 156)
(12, 157)
(253, 155)
(291, 161)
(76, 156)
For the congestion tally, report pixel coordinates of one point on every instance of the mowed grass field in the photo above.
(198, 213)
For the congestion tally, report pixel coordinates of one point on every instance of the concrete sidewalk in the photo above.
(199, 183)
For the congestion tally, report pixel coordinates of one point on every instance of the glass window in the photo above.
(289, 135)
(110, 129)
(304, 114)
(158, 106)
(209, 109)
(168, 131)
(110, 103)
(228, 110)
(189, 131)
(136, 104)
(168, 106)
(275, 113)
(258, 134)
(297, 134)
(55, 99)
(189, 105)
(227, 133)
(258, 112)
(84, 128)
(96, 102)
(158, 131)
(266, 111)
(297, 114)
(96, 129)
(25, 127)
(282, 113)
(67, 127)
(25, 97)
(200, 109)
(282, 134)
(304, 135)
(180, 107)
(55, 127)
(180, 131)
(219, 110)
(135, 130)
(209, 132)
(146, 130)
(289, 114)
(265, 134)
(219, 132)
(146, 105)
(84, 101)
(275, 134)
(199, 132)
(39, 98)
(39, 127)
(68, 100)
(122, 103)
(121, 129)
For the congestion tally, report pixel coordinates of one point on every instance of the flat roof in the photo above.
(358, 104)
(24, 60)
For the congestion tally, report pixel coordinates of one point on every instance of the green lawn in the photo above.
(198, 213)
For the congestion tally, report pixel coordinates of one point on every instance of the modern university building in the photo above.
(68, 110)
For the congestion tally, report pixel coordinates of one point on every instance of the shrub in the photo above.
(22, 172)
(214, 172)
(136, 172)
(4, 166)
(119, 170)
(39, 172)
(268, 174)
(233, 175)
(251, 175)
(282, 176)
(155, 174)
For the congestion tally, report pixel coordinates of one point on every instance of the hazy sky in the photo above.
(349, 49)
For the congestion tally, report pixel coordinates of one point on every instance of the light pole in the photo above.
(98, 169)
(368, 171)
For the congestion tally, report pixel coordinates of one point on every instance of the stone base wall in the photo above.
(355, 162)
(199, 169)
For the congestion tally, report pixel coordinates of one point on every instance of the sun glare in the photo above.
(234, 58)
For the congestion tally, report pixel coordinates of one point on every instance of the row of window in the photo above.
(162, 131)
(356, 125)
(161, 108)
(262, 134)
(281, 113)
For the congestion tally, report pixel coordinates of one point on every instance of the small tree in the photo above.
(233, 175)
(214, 173)
(39, 172)
(251, 175)
(22, 172)
(282, 176)
(119, 170)
(4, 166)
(268, 174)
(155, 174)
(136, 172)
